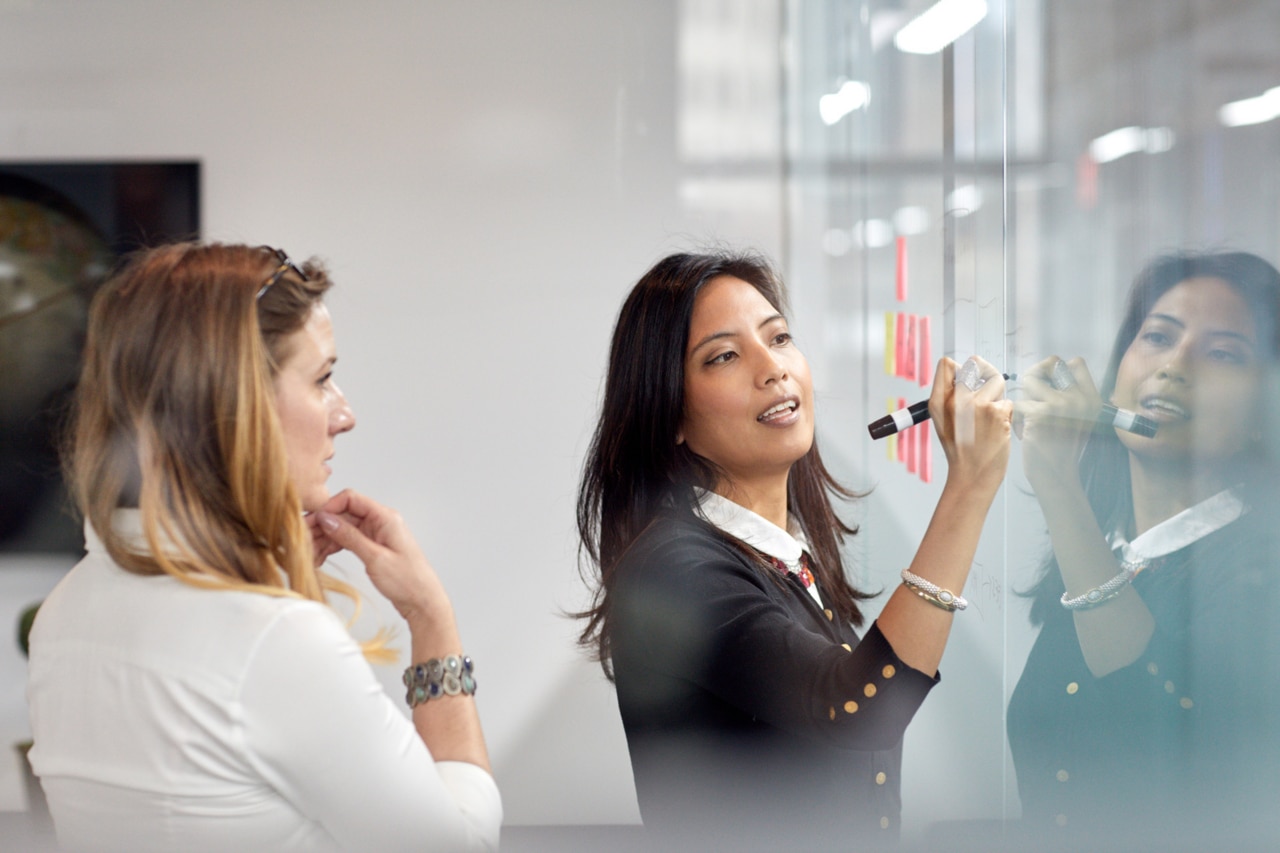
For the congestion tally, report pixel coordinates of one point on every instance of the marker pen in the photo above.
(905, 418)
(917, 412)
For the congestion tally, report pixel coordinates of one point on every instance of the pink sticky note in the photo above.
(924, 452)
(909, 369)
(901, 281)
(909, 439)
(924, 371)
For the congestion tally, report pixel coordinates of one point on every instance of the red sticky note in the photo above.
(909, 439)
(904, 438)
(924, 463)
(924, 371)
(901, 283)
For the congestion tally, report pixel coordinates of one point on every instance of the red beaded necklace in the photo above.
(806, 576)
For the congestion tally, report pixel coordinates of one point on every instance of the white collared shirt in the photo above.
(1178, 531)
(758, 532)
(169, 717)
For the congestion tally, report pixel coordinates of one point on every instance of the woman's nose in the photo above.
(772, 368)
(343, 419)
(1177, 367)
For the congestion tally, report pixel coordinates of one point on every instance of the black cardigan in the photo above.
(1180, 748)
(753, 717)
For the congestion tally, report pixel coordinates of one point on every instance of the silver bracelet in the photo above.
(439, 677)
(1102, 593)
(932, 593)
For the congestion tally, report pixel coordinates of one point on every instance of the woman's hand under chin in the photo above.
(379, 537)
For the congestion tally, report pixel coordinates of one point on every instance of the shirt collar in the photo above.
(127, 524)
(1179, 531)
(755, 530)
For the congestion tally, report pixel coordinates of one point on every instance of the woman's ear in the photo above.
(680, 437)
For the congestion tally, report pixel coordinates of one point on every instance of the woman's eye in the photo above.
(324, 380)
(1226, 356)
(723, 358)
(1155, 337)
(782, 338)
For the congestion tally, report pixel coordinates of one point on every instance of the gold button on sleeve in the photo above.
(831, 712)
(830, 615)
(851, 707)
(1072, 688)
(869, 690)
(847, 647)
(888, 671)
(881, 778)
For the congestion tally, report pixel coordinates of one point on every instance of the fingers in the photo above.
(352, 503)
(1054, 376)
(989, 384)
(347, 536)
(1057, 390)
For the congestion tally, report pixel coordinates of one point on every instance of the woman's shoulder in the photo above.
(99, 602)
(678, 556)
(680, 538)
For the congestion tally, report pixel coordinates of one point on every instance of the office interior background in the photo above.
(487, 179)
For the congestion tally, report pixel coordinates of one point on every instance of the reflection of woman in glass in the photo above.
(1148, 703)
(755, 716)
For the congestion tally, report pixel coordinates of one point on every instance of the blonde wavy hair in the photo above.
(175, 415)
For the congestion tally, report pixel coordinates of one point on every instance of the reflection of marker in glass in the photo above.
(895, 422)
(1127, 421)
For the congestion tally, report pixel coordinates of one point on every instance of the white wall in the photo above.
(486, 179)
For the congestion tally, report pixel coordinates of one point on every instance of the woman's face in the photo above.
(310, 406)
(1195, 369)
(748, 398)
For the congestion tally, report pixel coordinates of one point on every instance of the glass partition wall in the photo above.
(994, 190)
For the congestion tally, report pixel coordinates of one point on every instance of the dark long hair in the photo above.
(635, 469)
(1104, 463)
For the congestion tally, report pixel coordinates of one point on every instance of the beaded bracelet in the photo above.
(932, 593)
(439, 677)
(1102, 593)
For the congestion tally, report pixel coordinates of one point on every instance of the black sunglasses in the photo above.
(286, 265)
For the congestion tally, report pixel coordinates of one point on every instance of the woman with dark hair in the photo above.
(1148, 704)
(190, 688)
(755, 716)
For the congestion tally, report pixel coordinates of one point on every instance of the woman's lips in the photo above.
(783, 413)
(1164, 410)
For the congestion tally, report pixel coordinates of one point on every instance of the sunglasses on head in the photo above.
(286, 265)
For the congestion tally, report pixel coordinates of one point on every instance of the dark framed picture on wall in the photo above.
(63, 226)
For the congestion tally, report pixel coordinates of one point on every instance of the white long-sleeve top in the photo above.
(168, 717)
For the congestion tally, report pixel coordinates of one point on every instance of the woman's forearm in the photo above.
(917, 629)
(1113, 634)
(449, 725)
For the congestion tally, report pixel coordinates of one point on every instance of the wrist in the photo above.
(969, 493)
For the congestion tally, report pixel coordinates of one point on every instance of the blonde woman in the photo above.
(190, 686)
